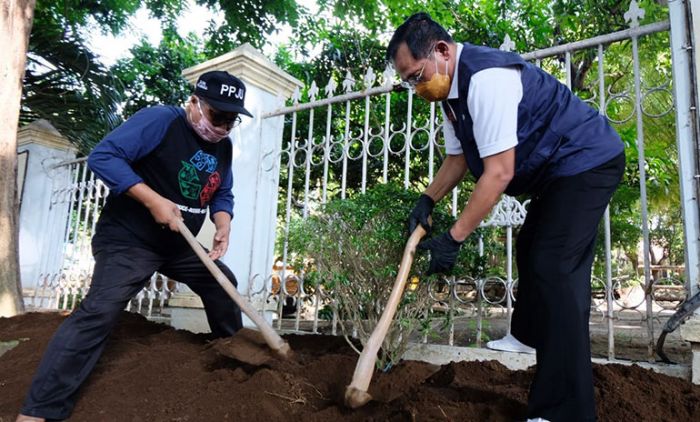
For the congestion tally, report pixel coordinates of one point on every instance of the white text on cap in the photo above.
(231, 90)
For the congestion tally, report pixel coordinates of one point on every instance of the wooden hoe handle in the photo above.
(356, 393)
(276, 343)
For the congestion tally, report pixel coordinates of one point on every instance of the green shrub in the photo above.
(355, 247)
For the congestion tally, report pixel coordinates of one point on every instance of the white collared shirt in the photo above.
(493, 98)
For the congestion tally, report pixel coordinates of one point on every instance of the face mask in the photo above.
(206, 130)
(437, 88)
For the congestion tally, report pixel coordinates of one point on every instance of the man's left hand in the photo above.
(222, 222)
(443, 252)
(220, 244)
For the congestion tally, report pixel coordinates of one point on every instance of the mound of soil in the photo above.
(151, 372)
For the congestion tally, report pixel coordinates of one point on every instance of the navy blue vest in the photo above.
(558, 134)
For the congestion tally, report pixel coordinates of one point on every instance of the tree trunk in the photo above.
(15, 26)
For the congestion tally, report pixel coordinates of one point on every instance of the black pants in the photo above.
(120, 273)
(555, 250)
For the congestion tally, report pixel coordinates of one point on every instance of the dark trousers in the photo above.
(555, 250)
(120, 273)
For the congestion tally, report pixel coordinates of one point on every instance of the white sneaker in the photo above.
(536, 419)
(511, 344)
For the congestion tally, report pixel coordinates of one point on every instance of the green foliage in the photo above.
(154, 74)
(374, 225)
(247, 21)
(67, 85)
(110, 15)
(355, 247)
(64, 82)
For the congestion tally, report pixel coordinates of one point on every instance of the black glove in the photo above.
(421, 212)
(443, 252)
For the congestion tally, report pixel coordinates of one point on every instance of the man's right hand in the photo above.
(421, 211)
(165, 212)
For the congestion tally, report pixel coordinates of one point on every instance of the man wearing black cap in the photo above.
(163, 164)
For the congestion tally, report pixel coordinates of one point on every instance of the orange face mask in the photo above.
(437, 88)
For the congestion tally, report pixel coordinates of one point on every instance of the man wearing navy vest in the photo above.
(520, 131)
(163, 164)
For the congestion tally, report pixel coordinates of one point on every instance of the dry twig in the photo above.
(444, 414)
(292, 400)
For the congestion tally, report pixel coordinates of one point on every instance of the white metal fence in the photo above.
(62, 286)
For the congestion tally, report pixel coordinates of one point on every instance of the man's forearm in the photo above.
(222, 219)
(144, 194)
(164, 211)
(485, 196)
(498, 172)
(448, 176)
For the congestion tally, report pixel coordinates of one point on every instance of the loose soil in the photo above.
(151, 372)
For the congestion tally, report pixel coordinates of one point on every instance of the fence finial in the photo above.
(296, 95)
(313, 91)
(330, 88)
(508, 44)
(348, 82)
(370, 78)
(389, 75)
(634, 14)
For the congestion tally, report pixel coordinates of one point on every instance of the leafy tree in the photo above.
(154, 74)
(65, 83)
(247, 21)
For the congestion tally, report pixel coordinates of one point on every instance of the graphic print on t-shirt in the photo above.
(203, 161)
(190, 181)
(211, 187)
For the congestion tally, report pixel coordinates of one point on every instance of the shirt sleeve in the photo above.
(452, 145)
(223, 198)
(111, 159)
(493, 99)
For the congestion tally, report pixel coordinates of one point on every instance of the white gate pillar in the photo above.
(257, 143)
(39, 147)
(685, 42)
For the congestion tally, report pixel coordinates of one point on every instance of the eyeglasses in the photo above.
(218, 118)
(414, 80)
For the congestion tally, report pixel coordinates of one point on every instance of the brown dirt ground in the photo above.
(151, 372)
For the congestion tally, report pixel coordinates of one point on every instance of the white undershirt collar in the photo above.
(454, 87)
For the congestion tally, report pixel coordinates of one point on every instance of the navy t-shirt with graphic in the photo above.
(158, 147)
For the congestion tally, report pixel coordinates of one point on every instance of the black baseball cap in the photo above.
(222, 91)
